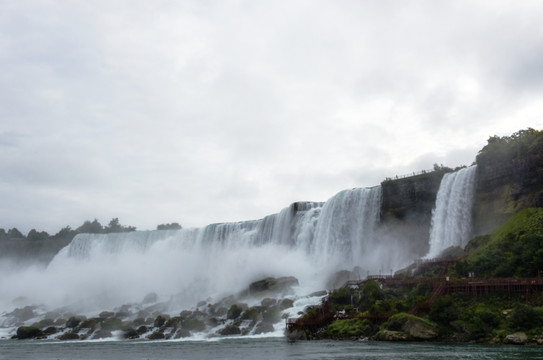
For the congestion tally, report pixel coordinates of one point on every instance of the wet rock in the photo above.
(417, 329)
(390, 335)
(172, 322)
(106, 314)
(286, 303)
(518, 338)
(131, 334)
(142, 330)
(264, 327)
(44, 323)
(159, 321)
(70, 335)
(296, 335)
(157, 335)
(29, 332)
(23, 314)
(91, 323)
(282, 285)
(230, 330)
(73, 322)
(234, 312)
(50, 330)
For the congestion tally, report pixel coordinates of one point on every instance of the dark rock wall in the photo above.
(406, 208)
(505, 187)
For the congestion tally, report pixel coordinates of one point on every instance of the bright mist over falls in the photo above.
(308, 240)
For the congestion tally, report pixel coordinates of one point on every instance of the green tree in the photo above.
(114, 226)
(172, 226)
(15, 234)
(34, 235)
(88, 227)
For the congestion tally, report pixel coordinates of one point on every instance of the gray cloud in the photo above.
(201, 112)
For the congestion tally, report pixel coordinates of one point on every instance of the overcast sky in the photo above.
(211, 111)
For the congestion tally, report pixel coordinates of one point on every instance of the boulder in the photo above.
(390, 335)
(296, 334)
(518, 338)
(157, 335)
(70, 335)
(29, 332)
(418, 329)
(230, 330)
(264, 327)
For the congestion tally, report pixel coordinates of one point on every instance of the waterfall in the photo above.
(451, 217)
(346, 226)
(307, 240)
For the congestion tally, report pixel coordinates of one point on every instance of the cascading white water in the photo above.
(451, 217)
(307, 240)
(346, 227)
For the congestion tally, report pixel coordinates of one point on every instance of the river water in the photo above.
(260, 348)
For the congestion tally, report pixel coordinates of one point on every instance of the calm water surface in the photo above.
(271, 348)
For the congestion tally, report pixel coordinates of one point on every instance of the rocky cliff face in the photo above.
(506, 186)
(406, 208)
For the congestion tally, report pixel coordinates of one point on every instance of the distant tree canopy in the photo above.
(172, 226)
(88, 227)
(114, 226)
(36, 235)
(505, 148)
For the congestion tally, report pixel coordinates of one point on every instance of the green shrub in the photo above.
(350, 328)
(444, 310)
(524, 317)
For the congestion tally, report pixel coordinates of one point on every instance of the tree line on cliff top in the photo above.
(88, 227)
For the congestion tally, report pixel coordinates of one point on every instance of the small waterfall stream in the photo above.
(451, 218)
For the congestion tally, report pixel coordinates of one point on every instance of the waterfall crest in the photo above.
(451, 217)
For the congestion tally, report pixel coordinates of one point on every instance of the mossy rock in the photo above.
(89, 323)
(286, 304)
(142, 330)
(131, 334)
(414, 327)
(157, 335)
(274, 285)
(70, 335)
(234, 312)
(172, 322)
(106, 314)
(159, 321)
(389, 335)
(50, 330)
(252, 313)
(29, 332)
(73, 322)
(44, 323)
(230, 330)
